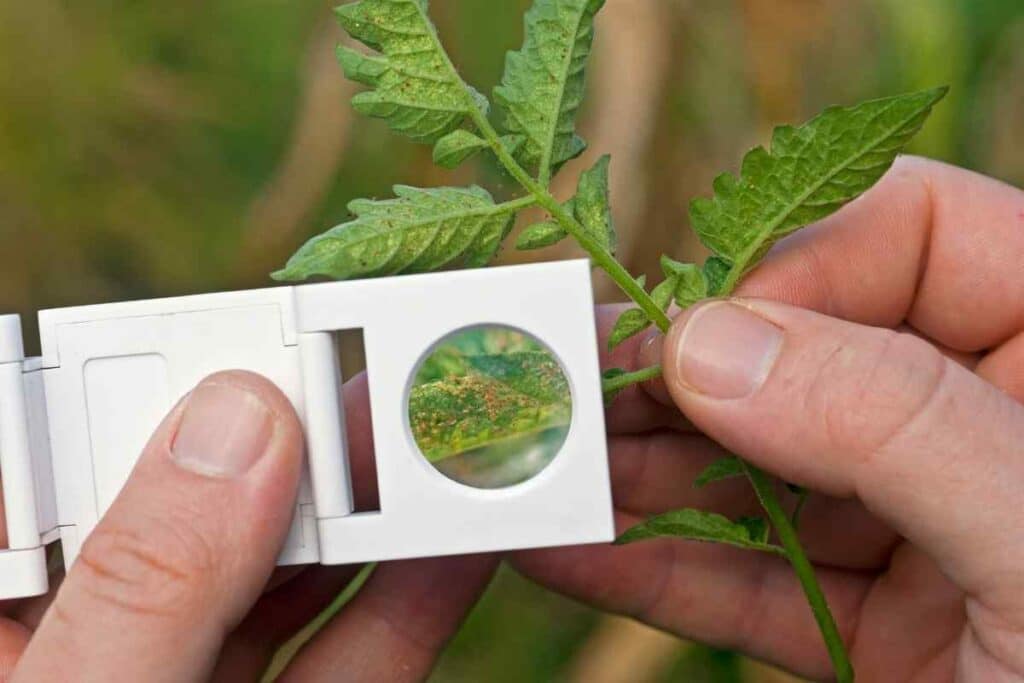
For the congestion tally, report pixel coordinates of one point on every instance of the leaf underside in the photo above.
(421, 230)
(630, 323)
(811, 171)
(698, 525)
(485, 399)
(543, 84)
(413, 85)
(456, 147)
(592, 205)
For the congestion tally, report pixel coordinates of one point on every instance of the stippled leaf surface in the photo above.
(541, 235)
(419, 231)
(543, 84)
(414, 86)
(456, 147)
(592, 205)
(698, 525)
(810, 172)
(481, 400)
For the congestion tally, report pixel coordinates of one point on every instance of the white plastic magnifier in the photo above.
(74, 421)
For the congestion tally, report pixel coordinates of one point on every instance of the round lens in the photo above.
(490, 407)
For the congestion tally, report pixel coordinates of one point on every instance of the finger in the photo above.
(929, 244)
(859, 411)
(1004, 367)
(398, 623)
(716, 594)
(654, 473)
(635, 410)
(914, 614)
(278, 616)
(186, 547)
(14, 638)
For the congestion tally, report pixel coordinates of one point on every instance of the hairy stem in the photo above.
(598, 254)
(764, 487)
(602, 258)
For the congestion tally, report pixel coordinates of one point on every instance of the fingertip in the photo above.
(230, 422)
(264, 390)
(14, 638)
(722, 350)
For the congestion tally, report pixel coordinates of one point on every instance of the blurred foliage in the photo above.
(151, 149)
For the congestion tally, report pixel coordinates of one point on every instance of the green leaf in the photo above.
(723, 468)
(691, 284)
(361, 68)
(810, 172)
(543, 84)
(591, 206)
(663, 293)
(415, 87)
(422, 230)
(492, 399)
(716, 270)
(697, 525)
(456, 147)
(757, 528)
(632, 322)
(513, 143)
(541, 235)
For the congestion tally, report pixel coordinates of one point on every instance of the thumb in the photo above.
(186, 547)
(851, 410)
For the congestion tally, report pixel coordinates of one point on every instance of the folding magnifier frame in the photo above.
(73, 422)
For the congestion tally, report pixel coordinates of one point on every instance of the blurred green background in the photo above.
(151, 149)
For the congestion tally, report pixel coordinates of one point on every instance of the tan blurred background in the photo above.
(152, 148)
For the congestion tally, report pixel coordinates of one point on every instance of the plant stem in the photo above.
(517, 204)
(764, 487)
(629, 378)
(598, 254)
(602, 258)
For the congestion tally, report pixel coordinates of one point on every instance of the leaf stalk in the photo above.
(764, 487)
(620, 382)
(598, 254)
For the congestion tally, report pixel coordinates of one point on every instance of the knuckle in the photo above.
(872, 387)
(158, 569)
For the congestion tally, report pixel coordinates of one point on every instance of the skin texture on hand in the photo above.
(891, 380)
(877, 358)
(177, 582)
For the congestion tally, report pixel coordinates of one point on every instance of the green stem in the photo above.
(764, 487)
(622, 381)
(517, 204)
(598, 254)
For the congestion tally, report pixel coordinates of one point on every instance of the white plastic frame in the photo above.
(112, 371)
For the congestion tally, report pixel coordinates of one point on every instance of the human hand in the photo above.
(177, 582)
(891, 381)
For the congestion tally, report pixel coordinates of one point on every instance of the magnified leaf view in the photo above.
(490, 407)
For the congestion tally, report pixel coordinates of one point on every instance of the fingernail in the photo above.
(650, 349)
(725, 351)
(224, 431)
